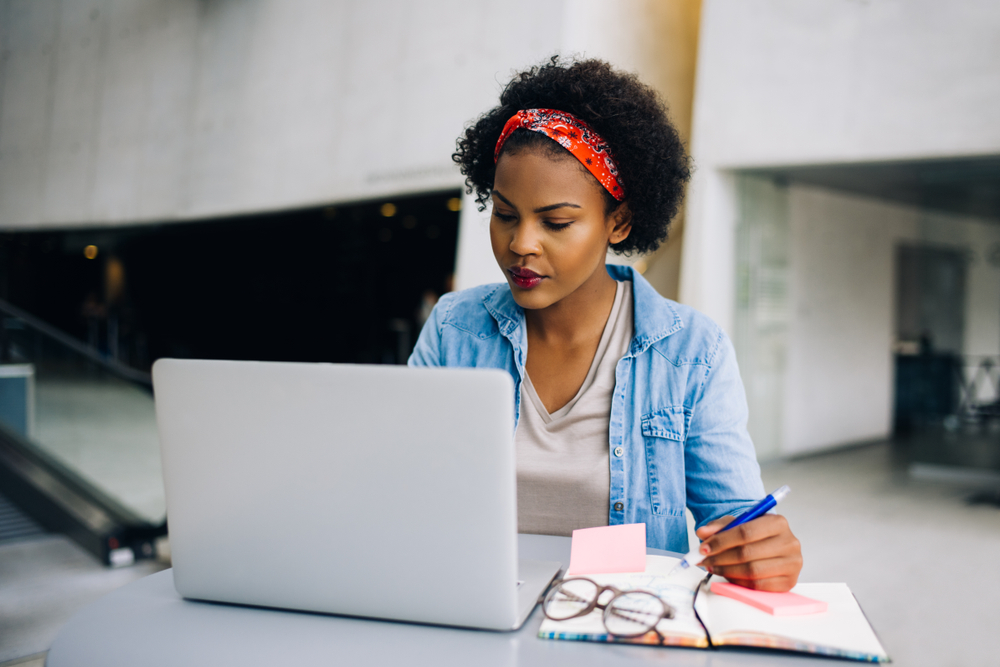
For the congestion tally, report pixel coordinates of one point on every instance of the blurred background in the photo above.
(271, 179)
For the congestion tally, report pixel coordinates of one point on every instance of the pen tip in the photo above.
(780, 494)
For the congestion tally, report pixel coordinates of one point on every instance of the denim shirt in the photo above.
(678, 433)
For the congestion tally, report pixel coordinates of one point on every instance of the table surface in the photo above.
(147, 623)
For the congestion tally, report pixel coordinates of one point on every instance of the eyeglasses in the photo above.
(626, 614)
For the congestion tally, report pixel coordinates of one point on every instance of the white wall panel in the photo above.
(27, 63)
(784, 81)
(982, 323)
(839, 383)
(125, 111)
(75, 92)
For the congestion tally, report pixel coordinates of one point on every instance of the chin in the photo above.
(533, 299)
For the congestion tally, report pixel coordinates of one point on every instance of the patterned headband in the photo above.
(575, 136)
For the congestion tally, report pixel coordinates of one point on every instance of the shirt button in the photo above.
(619, 451)
(619, 507)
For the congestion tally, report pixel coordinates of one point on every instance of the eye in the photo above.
(556, 226)
(503, 216)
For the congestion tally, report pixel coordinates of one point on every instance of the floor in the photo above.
(104, 429)
(920, 560)
(917, 556)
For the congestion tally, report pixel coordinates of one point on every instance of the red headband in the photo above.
(575, 136)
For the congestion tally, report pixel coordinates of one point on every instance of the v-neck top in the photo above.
(677, 433)
(563, 457)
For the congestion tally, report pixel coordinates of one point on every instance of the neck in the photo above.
(579, 315)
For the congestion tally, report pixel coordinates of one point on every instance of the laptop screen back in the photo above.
(377, 491)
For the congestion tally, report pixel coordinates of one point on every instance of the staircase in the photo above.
(79, 452)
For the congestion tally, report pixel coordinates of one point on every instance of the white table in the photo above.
(147, 623)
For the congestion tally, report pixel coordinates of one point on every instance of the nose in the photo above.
(526, 238)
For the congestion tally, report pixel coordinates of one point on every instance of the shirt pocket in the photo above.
(663, 433)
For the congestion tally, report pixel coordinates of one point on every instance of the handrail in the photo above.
(113, 365)
(63, 501)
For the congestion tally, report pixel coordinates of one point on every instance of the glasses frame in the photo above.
(668, 611)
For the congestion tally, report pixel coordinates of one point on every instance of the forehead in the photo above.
(538, 178)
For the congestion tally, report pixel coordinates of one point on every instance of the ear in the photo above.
(620, 223)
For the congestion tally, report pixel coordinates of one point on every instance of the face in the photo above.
(549, 227)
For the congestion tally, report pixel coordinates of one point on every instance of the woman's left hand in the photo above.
(761, 554)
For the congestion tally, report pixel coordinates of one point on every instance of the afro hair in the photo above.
(653, 165)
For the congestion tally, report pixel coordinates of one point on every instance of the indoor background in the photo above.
(272, 179)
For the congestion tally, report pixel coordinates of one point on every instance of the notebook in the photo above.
(841, 631)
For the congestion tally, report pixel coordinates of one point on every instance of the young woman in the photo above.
(629, 406)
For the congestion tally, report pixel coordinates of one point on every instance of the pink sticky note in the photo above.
(777, 604)
(608, 549)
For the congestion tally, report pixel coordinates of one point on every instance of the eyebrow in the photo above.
(542, 209)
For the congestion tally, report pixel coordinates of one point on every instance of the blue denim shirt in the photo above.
(677, 435)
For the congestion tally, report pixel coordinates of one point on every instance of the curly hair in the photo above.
(653, 165)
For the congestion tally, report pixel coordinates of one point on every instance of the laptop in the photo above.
(375, 491)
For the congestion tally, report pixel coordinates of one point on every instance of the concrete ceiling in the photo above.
(969, 186)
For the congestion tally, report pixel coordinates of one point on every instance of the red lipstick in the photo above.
(524, 278)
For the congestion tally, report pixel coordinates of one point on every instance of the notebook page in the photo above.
(677, 591)
(842, 630)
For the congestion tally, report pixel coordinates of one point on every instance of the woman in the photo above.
(629, 406)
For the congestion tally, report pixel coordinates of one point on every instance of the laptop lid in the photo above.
(377, 491)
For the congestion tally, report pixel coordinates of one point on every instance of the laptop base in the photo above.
(536, 575)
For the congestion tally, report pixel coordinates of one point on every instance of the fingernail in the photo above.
(705, 549)
(710, 570)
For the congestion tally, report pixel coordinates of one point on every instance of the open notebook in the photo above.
(841, 631)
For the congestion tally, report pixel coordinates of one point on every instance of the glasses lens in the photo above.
(569, 598)
(633, 614)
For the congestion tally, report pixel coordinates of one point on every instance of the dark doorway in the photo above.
(347, 283)
(930, 306)
(930, 323)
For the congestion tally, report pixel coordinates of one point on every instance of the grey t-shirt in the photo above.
(563, 466)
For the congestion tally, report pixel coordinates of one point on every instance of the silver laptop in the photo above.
(376, 491)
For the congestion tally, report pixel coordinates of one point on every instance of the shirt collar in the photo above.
(655, 318)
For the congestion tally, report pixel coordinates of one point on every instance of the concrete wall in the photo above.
(762, 318)
(656, 40)
(839, 372)
(123, 111)
(785, 82)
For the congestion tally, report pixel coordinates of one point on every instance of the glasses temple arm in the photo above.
(694, 608)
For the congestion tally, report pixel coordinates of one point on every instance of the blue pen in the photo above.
(695, 556)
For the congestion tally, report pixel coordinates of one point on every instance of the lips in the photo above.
(524, 278)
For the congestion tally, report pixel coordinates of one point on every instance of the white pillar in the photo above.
(708, 268)
(474, 262)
